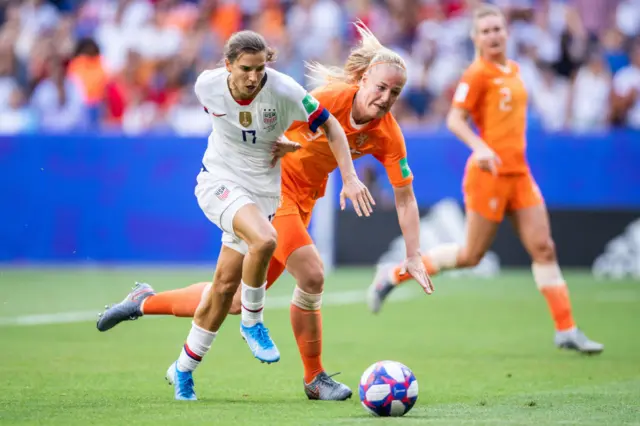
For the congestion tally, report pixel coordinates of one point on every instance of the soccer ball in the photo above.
(388, 388)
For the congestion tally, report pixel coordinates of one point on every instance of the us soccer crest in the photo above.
(245, 118)
(269, 118)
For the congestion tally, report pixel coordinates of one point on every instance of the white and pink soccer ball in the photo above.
(388, 388)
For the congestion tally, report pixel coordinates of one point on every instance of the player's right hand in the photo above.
(487, 160)
(358, 193)
(414, 266)
(281, 147)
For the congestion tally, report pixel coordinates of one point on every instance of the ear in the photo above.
(227, 64)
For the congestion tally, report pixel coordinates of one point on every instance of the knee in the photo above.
(543, 250)
(265, 243)
(312, 280)
(306, 301)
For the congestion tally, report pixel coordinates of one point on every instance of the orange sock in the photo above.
(560, 306)
(550, 282)
(398, 278)
(181, 302)
(306, 321)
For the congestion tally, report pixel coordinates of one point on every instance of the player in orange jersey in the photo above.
(360, 96)
(497, 179)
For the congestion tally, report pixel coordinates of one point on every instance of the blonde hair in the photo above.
(367, 54)
(480, 12)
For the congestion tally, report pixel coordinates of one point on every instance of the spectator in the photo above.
(550, 96)
(16, 117)
(626, 86)
(134, 61)
(591, 91)
(87, 71)
(187, 118)
(58, 101)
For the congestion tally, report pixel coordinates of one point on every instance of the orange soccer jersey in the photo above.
(305, 172)
(496, 99)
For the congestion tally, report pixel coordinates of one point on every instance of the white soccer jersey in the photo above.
(239, 148)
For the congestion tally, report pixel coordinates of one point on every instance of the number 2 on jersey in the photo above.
(505, 99)
(251, 133)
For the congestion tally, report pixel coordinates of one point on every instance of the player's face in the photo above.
(380, 89)
(247, 72)
(491, 35)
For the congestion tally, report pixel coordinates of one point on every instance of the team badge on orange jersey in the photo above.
(269, 118)
(245, 118)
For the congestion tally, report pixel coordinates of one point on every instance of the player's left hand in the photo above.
(414, 266)
(281, 147)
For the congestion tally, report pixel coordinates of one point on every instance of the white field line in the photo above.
(339, 298)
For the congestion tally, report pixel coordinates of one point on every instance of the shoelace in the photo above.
(326, 378)
(262, 336)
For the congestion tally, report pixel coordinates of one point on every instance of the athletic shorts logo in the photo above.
(222, 192)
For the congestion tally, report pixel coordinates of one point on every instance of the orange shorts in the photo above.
(291, 224)
(491, 196)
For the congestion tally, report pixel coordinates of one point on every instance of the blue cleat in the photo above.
(127, 310)
(182, 383)
(260, 343)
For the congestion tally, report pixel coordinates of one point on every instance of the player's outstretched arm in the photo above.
(457, 122)
(352, 187)
(409, 219)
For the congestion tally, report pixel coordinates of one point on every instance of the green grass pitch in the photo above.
(481, 349)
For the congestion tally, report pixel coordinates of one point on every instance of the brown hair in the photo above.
(369, 52)
(247, 42)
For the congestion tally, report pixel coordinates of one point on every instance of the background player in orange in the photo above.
(360, 96)
(497, 179)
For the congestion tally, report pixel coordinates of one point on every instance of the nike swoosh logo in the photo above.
(213, 113)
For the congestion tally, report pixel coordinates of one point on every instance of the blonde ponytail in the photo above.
(368, 53)
(480, 12)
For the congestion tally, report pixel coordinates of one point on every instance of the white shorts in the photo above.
(221, 199)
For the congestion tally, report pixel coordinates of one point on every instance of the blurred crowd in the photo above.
(129, 65)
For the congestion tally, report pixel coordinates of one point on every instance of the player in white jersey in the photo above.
(238, 189)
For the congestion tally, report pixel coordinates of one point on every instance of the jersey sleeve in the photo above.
(204, 89)
(393, 156)
(470, 90)
(303, 106)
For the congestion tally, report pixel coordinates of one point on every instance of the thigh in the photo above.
(252, 225)
(486, 194)
(526, 193)
(292, 234)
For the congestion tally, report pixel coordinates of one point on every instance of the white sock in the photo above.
(252, 304)
(444, 256)
(197, 345)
